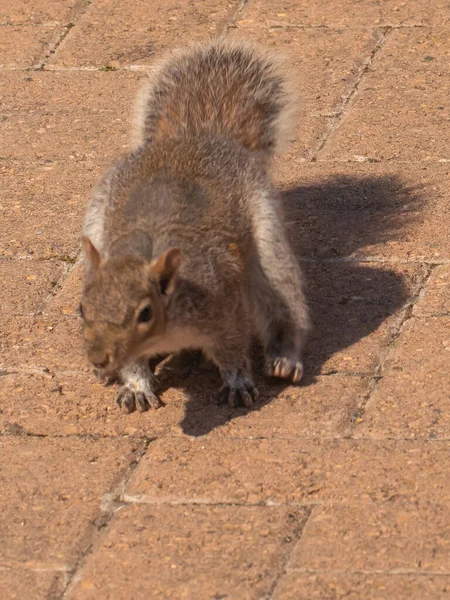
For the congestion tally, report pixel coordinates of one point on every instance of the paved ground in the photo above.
(339, 488)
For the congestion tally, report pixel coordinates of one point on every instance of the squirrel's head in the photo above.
(124, 304)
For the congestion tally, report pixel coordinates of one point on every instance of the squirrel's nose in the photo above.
(99, 360)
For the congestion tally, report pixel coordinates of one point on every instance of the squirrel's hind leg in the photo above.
(277, 301)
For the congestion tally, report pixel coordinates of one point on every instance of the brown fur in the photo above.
(225, 88)
(189, 227)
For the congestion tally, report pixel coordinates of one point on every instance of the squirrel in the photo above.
(184, 240)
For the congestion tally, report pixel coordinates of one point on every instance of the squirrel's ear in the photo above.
(165, 268)
(92, 256)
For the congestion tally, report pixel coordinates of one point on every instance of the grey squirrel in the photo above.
(184, 240)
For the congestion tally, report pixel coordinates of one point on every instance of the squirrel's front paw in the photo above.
(130, 400)
(239, 391)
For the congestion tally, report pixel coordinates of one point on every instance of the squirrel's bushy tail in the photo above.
(218, 88)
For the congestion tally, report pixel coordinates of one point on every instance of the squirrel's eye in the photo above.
(80, 310)
(145, 315)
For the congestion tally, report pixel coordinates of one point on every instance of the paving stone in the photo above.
(120, 33)
(43, 208)
(354, 586)
(24, 46)
(436, 298)
(401, 535)
(369, 13)
(400, 111)
(323, 408)
(355, 310)
(190, 552)
(45, 343)
(26, 285)
(367, 210)
(412, 399)
(326, 63)
(42, 11)
(18, 584)
(345, 13)
(51, 493)
(65, 116)
(42, 403)
(67, 300)
(261, 13)
(277, 471)
(311, 130)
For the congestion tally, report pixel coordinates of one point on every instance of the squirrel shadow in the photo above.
(348, 300)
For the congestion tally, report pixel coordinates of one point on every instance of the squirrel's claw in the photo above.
(243, 393)
(125, 400)
(129, 400)
(285, 368)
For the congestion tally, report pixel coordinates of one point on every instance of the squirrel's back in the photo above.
(221, 88)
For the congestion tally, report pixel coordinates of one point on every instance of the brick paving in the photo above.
(336, 489)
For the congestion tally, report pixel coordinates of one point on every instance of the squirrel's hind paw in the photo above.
(285, 368)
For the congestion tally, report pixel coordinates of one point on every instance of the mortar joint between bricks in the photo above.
(405, 315)
(108, 507)
(285, 565)
(41, 64)
(231, 22)
(69, 268)
(341, 109)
